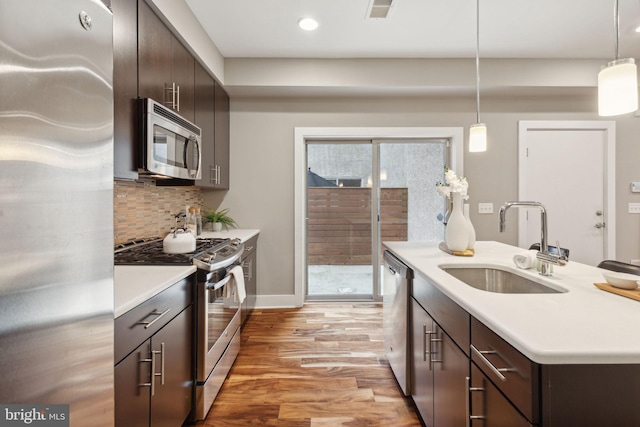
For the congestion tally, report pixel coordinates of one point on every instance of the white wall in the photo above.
(262, 152)
(261, 194)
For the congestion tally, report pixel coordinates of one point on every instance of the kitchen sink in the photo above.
(500, 281)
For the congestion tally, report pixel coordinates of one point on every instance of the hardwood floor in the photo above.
(318, 366)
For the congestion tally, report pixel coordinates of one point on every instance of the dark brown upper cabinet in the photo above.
(149, 62)
(165, 66)
(212, 116)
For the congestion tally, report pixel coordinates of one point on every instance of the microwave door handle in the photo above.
(186, 150)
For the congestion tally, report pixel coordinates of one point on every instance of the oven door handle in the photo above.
(219, 284)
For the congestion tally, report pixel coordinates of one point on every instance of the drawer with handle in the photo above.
(138, 324)
(512, 372)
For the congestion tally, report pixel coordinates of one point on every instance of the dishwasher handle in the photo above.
(396, 266)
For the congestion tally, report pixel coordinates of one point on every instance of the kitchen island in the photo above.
(547, 359)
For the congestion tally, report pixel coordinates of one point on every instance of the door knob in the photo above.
(600, 225)
(598, 213)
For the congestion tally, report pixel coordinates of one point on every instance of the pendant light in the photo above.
(478, 131)
(618, 80)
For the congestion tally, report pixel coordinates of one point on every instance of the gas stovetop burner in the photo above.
(210, 254)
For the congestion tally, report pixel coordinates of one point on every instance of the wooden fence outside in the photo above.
(339, 226)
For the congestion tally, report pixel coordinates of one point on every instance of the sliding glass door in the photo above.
(339, 220)
(361, 193)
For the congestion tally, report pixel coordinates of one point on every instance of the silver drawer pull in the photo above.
(497, 371)
(147, 325)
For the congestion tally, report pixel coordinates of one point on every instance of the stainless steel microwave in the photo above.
(171, 145)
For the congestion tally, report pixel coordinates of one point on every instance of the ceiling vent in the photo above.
(379, 9)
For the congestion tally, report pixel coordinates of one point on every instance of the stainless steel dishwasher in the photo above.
(396, 284)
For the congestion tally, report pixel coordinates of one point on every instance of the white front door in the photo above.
(568, 167)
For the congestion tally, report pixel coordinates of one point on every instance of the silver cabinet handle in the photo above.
(147, 325)
(172, 102)
(467, 402)
(426, 333)
(149, 360)
(155, 374)
(178, 98)
(497, 371)
(218, 174)
(161, 353)
(249, 267)
(431, 352)
(212, 174)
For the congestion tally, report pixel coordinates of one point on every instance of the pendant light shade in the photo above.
(478, 131)
(618, 80)
(478, 138)
(618, 88)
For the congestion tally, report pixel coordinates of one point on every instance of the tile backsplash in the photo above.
(143, 210)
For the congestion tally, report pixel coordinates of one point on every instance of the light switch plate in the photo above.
(634, 208)
(485, 208)
(635, 187)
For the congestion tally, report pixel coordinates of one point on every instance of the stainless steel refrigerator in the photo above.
(56, 208)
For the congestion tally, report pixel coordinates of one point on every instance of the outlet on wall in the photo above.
(485, 208)
(634, 208)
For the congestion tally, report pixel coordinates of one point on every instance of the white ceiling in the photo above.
(420, 28)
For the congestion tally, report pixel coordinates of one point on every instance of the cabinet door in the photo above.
(125, 89)
(222, 136)
(422, 364)
(182, 73)
(132, 384)
(204, 118)
(488, 402)
(154, 55)
(450, 381)
(174, 376)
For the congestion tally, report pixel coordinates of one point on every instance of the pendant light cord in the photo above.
(616, 28)
(478, 61)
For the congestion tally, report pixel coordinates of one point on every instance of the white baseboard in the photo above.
(277, 301)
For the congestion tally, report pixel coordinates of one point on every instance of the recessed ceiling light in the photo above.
(308, 24)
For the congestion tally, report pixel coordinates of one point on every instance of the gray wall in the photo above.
(262, 158)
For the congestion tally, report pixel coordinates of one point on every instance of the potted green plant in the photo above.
(220, 219)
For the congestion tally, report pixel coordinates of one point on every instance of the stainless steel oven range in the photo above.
(217, 322)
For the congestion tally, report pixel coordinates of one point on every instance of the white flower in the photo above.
(453, 185)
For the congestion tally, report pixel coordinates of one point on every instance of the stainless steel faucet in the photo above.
(543, 254)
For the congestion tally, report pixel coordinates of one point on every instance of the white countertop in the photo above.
(136, 284)
(584, 325)
(243, 234)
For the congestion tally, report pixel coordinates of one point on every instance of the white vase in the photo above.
(217, 226)
(456, 234)
(470, 229)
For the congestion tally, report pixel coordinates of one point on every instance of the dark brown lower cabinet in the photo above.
(422, 368)
(154, 384)
(439, 372)
(489, 407)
